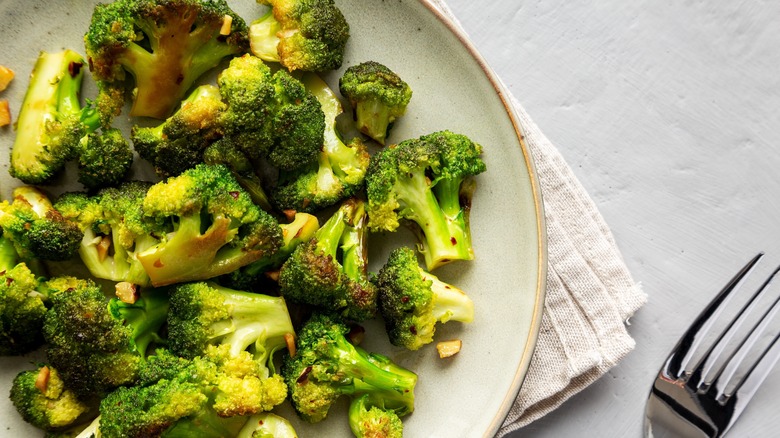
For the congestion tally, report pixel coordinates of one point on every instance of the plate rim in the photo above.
(541, 230)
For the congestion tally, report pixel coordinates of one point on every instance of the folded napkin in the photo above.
(590, 292)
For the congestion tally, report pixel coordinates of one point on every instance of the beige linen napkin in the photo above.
(590, 293)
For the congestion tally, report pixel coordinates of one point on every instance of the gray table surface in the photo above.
(668, 114)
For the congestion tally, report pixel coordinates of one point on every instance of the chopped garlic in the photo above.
(6, 75)
(227, 25)
(5, 113)
(449, 348)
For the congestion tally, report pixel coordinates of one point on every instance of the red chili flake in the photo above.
(304, 375)
(405, 299)
(2, 272)
(413, 329)
(9, 280)
(234, 194)
(453, 241)
(179, 79)
(158, 263)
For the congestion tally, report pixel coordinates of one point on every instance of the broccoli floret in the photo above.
(42, 399)
(177, 144)
(36, 228)
(300, 230)
(427, 182)
(215, 227)
(378, 96)
(54, 128)
(114, 230)
(326, 365)
(412, 301)
(270, 115)
(307, 35)
(104, 158)
(164, 45)
(98, 344)
(267, 425)
(239, 332)
(82, 430)
(340, 169)
(51, 121)
(369, 421)
(330, 270)
(22, 307)
(225, 151)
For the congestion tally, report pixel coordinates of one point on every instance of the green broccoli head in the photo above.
(165, 46)
(378, 96)
(330, 271)
(427, 182)
(308, 35)
(42, 399)
(370, 421)
(205, 314)
(301, 229)
(178, 143)
(412, 301)
(114, 230)
(51, 121)
(215, 228)
(340, 169)
(269, 115)
(104, 159)
(326, 366)
(226, 151)
(98, 344)
(36, 228)
(22, 308)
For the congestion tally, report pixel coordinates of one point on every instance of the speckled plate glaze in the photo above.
(467, 395)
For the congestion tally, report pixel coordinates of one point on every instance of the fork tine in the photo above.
(732, 363)
(683, 351)
(748, 386)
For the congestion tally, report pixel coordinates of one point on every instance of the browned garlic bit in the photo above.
(289, 339)
(449, 348)
(5, 113)
(42, 381)
(126, 292)
(227, 25)
(6, 75)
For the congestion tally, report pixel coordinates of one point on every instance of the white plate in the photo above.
(471, 393)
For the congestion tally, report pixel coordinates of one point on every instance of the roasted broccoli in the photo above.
(326, 366)
(37, 229)
(308, 35)
(427, 182)
(270, 115)
(412, 301)
(300, 230)
(340, 169)
(165, 46)
(370, 421)
(330, 271)
(267, 425)
(42, 399)
(238, 331)
(114, 230)
(378, 96)
(98, 344)
(179, 397)
(214, 227)
(53, 128)
(177, 144)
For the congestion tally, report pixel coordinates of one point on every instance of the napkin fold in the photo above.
(590, 292)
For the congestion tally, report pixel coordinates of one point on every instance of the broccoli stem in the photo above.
(145, 316)
(256, 318)
(441, 242)
(449, 302)
(329, 235)
(373, 118)
(353, 246)
(263, 39)
(8, 254)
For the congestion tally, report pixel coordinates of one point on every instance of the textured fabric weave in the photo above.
(590, 292)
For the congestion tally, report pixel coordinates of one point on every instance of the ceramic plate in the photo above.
(467, 395)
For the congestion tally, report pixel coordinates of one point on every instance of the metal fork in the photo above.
(703, 397)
